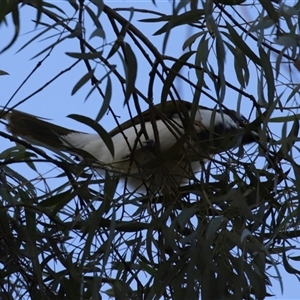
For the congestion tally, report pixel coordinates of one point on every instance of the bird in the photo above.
(165, 145)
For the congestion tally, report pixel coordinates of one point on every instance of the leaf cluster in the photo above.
(226, 233)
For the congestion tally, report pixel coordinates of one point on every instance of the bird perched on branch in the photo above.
(163, 145)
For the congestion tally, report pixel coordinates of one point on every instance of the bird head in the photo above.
(223, 129)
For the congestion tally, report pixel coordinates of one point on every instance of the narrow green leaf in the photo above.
(265, 23)
(94, 18)
(172, 75)
(98, 128)
(88, 55)
(192, 39)
(291, 138)
(110, 186)
(98, 32)
(111, 236)
(4, 9)
(52, 6)
(289, 10)
(16, 20)
(147, 268)
(230, 2)
(239, 72)
(91, 226)
(131, 72)
(27, 157)
(156, 20)
(268, 6)
(287, 266)
(112, 68)
(221, 56)
(266, 65)
(82, 81)
(246, 232)
(295, 258)
(213, 227)
(42, 33)
(294, 92)
(51, 46)
(44, 24)
(197, 95)
(256, 280)
(240, 65)
(106, 100)
(19, 177)
(63, 197)
(74, 4)
(201, 58)
(188, 17)
(31, 230)
(239, 42)
(100, 5)
(184, 217)
(118, 43)
(287, 41)
(3, 73)
(260, 89)
(39, 10)
(274, 264)
(284, 119)
(4, 216)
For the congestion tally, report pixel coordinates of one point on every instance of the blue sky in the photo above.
(55, 102)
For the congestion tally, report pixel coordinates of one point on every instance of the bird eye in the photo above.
(244, 120)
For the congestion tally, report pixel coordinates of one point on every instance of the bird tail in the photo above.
(34, 129)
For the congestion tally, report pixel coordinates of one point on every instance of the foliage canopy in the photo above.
(221, 236)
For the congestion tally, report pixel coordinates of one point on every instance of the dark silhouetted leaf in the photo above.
(98, 128)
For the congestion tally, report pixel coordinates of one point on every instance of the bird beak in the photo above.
(250, 137)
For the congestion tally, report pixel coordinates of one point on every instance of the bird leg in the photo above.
(150, 145)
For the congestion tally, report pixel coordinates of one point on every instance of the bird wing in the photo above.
(165, 112)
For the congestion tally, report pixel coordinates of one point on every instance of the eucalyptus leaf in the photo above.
(98, 128)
